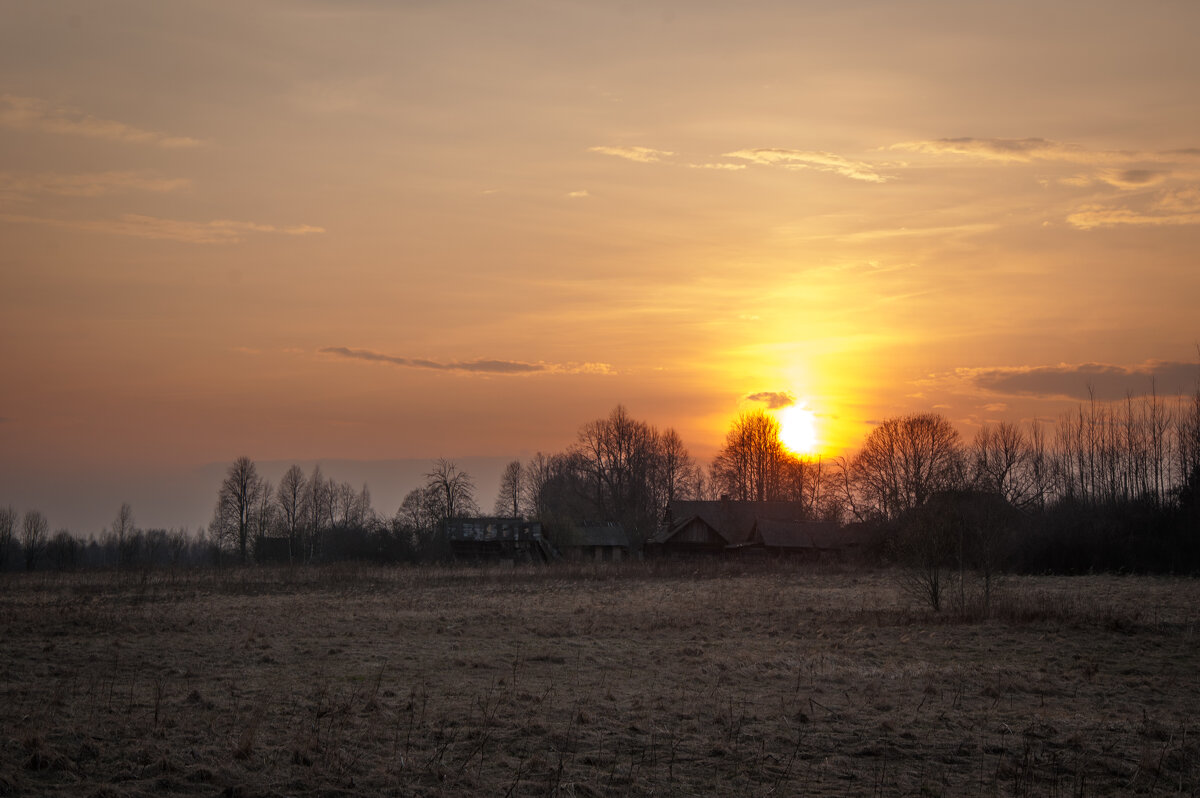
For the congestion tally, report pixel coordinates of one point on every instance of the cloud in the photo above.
(1124, 172)
(774, 400)
(638, 154)
(581, 194)
(1091, 217)
(819, 161)
(1074, 380)
(480, 366)
(31, 113)
(93, 184)
(219, 231)
(1129, 179)
(1169, 208)
(1022, 150)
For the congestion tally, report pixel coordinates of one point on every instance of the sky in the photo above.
(364, 232)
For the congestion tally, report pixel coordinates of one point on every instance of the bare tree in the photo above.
(314, 508)
(1003, 462)
(62, 550)
(8, 527)
(34, 532)
(239, 499)
(752, 463)
(289, 499)
(679, 477)
(452, 489)
(123, 534)
(510, 498)
(904, 461)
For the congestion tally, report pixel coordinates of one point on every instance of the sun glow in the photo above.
(798, 429)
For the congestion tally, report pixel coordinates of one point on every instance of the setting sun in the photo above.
(798, 429)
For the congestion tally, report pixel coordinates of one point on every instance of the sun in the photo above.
(798, 429)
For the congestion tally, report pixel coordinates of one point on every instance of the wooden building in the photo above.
(490, 538)
(725, 527)
(598, 541)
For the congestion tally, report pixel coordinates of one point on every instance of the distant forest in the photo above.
(1113, 486)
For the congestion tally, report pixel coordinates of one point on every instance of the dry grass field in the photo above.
(750, 679)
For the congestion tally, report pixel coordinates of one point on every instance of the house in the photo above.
(598, 541)
(491, 538)
(810, 540)
(736, 527)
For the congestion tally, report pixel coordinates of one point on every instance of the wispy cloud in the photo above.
(219, 231)
(774, 400)
(1132, 173)
(819, 161)
(1081, 380)
(93, 184)
(1169, 208)
(1028, 150)
(638, 154)
(996, 149)
(31, 113)
(479, 366)
(580, 194)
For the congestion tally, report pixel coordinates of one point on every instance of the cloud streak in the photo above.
(1170, 208)
(818, 161)
(218, 231)
(94, 184)
(1028, 150)
(636, 154)
(774, 400)
(1083, 380)
(479, 366)
(31, 113)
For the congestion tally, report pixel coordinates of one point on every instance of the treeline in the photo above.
(1108, 486)
(27, 544)
(1116, 487)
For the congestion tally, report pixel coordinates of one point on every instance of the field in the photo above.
(712, 679)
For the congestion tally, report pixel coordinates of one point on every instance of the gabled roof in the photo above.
(733, 520)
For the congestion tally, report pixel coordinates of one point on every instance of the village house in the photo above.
(490, 538)
(726, 527)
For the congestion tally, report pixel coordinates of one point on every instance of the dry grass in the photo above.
(679, 680)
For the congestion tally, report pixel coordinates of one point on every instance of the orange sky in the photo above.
(374, 230)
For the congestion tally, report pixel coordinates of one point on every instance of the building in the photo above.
(597, 541)
(484, 539)
(725, 527)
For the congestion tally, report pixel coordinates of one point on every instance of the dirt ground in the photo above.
(596, 680)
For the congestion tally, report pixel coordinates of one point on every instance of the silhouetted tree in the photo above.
(452, 491)
(238, 501)
(289, 498)
(34, 530)
(8, 526)
(1003, 463)
(902, 463)
(62, 550)
(314, 511)
(123, 534)
(752, 464)
(510, 498)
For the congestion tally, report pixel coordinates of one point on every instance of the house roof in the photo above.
(733, 520)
